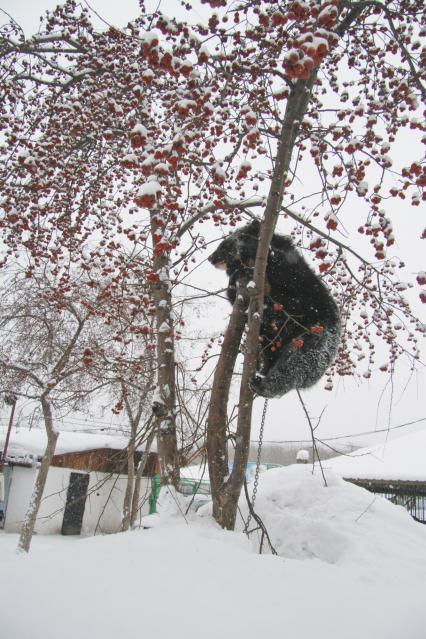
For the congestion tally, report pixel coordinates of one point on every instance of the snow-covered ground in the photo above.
(350, 566)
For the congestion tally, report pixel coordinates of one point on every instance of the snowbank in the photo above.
(350, 566)
(338, 524)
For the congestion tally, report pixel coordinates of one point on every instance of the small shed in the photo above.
(395, 469)
(85, 486)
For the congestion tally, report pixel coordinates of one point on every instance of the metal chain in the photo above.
(256, 473)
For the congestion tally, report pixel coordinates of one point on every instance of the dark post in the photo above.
(10, 400)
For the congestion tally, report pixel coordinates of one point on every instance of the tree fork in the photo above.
(296, 108)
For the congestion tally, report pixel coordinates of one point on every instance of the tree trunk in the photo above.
(164, 401)
(127, 502)
(137, 489)
(27, 529)
(224, 502)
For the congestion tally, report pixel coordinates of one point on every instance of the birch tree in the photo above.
(45, 350)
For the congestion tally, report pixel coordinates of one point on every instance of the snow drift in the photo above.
(350, 565)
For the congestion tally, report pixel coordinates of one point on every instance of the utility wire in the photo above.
(329, 439)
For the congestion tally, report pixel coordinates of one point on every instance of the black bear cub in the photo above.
(300, 329)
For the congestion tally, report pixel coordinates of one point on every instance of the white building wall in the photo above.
(103, 509)
(50, 515)
(104, 503)
(21, 486)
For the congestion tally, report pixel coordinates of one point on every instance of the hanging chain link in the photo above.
(256, 473)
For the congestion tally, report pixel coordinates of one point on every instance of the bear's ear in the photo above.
(253, 228)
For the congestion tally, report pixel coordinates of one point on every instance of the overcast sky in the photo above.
(352, 407)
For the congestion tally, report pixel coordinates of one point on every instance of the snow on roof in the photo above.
(402, 459)
(34, 442)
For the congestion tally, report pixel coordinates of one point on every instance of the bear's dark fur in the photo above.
(300, 329)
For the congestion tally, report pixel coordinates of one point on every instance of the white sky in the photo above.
(351, 407)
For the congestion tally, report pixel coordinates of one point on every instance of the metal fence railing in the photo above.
(409, 494)
(194, 487)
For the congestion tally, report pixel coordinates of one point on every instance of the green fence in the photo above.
(194, 487)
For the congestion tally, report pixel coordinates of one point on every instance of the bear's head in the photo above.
(239, 248)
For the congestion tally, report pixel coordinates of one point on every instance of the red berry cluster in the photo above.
(310, 48)
(146, 200)
(417, 173)
(317, 329)
(214, 3)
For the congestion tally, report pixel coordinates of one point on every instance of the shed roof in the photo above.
(25, 441)
(402, 459)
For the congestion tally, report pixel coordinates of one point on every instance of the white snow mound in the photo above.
(336, 523)
(351, 566)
